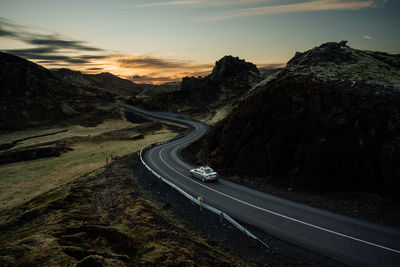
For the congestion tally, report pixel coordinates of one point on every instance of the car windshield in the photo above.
(208, 170)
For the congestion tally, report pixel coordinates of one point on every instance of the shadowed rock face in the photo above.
(32, 96)
(235, 73)
(230, 78)
(329, 121)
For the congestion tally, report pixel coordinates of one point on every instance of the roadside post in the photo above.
(201, 200)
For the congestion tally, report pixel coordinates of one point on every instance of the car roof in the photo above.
(204, 168)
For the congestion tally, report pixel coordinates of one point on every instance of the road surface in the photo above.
(345, 239)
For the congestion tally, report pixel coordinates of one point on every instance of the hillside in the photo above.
(231, 77)
(330, 120)
(102, 219)
(151, 90)
(32, 96)
(104, 80)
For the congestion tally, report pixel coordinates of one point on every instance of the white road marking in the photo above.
(174, 180)
(272, 212)
(277, 214)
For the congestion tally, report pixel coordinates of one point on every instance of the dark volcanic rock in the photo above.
(230, 78)
(329, 121)
(235, 73)
(32, 96)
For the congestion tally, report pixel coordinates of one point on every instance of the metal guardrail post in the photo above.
(199, 200)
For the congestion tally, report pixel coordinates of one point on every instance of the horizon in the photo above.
(163, 41)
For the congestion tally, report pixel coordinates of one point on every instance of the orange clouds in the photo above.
(147, 68)
(56, 51)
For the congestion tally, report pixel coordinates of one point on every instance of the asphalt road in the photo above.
(345, 239)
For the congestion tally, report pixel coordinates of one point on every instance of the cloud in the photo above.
(158, 63)
(48, 54)
(47, 47)
(202, 3)
(149, 62)
(171, 3)
(5, 33)
(152, 79)
(367, 37)
(312, 5)
(54, 42)
(95, 68)
(31, 51)
(380, 3)
(54, 50)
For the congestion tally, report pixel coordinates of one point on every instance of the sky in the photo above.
(157, 41)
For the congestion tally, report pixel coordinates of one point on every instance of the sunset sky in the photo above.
(156, 41)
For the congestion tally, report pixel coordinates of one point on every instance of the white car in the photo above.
(204, 173)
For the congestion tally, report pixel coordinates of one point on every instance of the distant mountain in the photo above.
(267, 72)
(330, 120)
(151, 90)
(230, 78)
(105, 80)
(31, 96)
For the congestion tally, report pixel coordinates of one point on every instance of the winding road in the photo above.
(345, 239)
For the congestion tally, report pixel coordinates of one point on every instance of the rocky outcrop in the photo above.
(230, 78)
(31, 96)
(105, 81)
(235, 73)
(330, 120)
(336, 62)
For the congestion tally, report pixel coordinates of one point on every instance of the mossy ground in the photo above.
(21, 181)
(101, 218)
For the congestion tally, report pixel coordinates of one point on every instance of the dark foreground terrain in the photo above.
(101, 219)
(110, 218)
(32, 97)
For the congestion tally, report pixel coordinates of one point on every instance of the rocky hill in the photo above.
(104, 80)
(230, 78)
(31, 96)
(330, 120)
(152, 90)
(234, 74)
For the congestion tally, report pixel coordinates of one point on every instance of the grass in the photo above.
(76, 224)
(20, 182)
(73, 131)
(220, 114)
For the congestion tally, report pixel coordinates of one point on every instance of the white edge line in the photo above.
(277, 214)
(281, 215)
(187, 195)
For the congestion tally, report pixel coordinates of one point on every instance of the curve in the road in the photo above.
(345, 239)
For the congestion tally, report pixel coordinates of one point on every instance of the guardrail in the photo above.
(197, 201)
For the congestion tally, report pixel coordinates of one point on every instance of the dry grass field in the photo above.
(22, 181)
